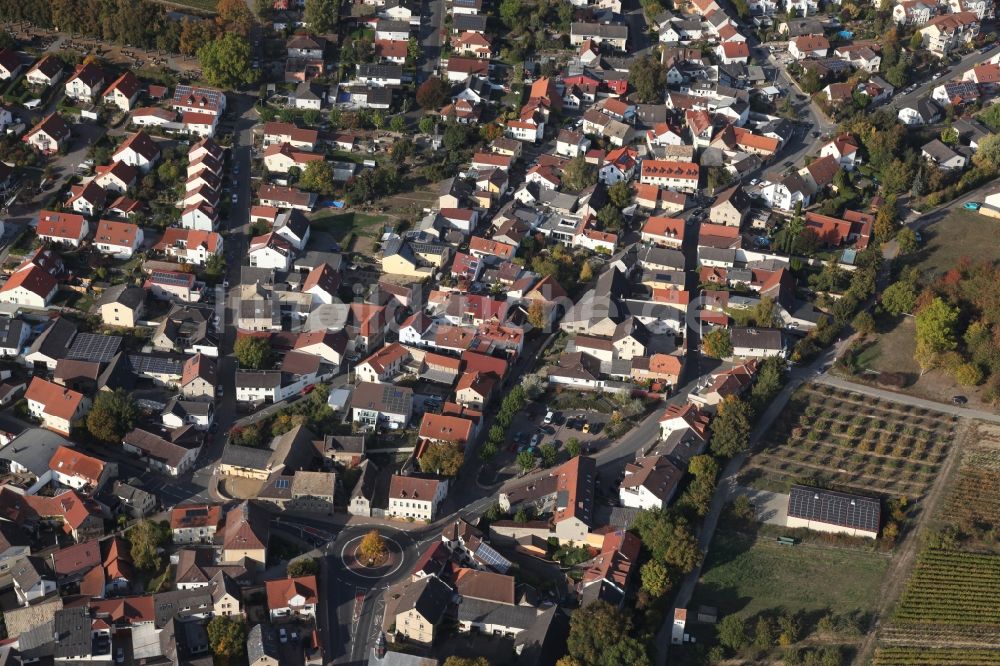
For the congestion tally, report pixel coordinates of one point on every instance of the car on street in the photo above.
(236, 197)
(236, 168)
(120, 656)
(283, 635)
(971, 205)
(959, 399)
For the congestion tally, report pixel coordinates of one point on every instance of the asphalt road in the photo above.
(955, 73)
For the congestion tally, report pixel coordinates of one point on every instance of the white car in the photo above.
(548, 417)
(283, 635)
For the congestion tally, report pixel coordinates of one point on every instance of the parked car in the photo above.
(586, 427)
(959, 399)
(971, 205)
(535, 439)
(283, 635)
(548, 417)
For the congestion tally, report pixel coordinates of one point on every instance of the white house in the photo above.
(845, 149)
(757, 342)
(200, 217)
(271, 251)
(139, 150)
(415, 497)
(86, 83)
(119, 239)
(650, 483)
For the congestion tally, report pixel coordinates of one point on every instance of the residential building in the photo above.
(415, 497)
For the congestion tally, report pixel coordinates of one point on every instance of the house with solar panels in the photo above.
(830, 511)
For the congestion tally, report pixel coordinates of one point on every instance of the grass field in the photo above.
(341, 225)
(961, 233)
(846, 441)
(201, 5)
(747, 575)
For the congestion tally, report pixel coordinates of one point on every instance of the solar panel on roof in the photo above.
(281, 484)
(492, 558)
(154, 365)
(176, 279)
(834, 508)
(94, 347)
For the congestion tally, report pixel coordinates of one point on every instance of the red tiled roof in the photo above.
(281, 592)
(58, 401)
(73, 463)
(122, 234)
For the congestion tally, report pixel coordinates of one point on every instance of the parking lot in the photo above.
(532, 428)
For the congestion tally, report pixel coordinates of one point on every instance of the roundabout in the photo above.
(355, 563)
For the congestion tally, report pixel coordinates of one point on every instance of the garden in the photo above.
(842, 440)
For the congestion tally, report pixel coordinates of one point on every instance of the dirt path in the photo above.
(901, 565)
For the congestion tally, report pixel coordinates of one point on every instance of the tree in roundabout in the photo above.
(373, 550)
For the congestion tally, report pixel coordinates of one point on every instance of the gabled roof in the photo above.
(445, 428)
(31, 278)
(142, 144)
(60, 225)
(74, 463)
(52, 125)
(49, 66)
(58, 401)
(89, 73)
(413, 488)
(121, 234)
(281, 592)
(127, 84)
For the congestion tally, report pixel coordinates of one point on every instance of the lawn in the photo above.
(961, 233)
(341, 225)
(746, 575)
(202, 5)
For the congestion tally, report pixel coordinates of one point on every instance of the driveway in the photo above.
(771, 508)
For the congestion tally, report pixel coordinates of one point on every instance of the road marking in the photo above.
(402, 558)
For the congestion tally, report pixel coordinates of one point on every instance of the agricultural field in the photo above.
(847, 441)
(972, 508)
(921, 656)
(951, 602)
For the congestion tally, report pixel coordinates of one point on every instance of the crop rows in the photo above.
(905, 656)
(825, 436)
(949, 587)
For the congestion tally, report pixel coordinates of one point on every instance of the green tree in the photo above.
(717, 344)
(599, 635)
(649, 79)
(620, 195)
(655, 578)
(907, 239)
(899, 297)
(489, 450)
(770, 379)
(147, 538)
(426, 125)
(511, 13)
(432, 94)
(397, 124)
(586, 272)
(548, 453)
(610, 217)
(444, 458)
(864, 323)
(112, 415)
(225, 62)
(305, 566)
(253, 353)
(731, 428)
(455, 137)
(321, 15)
(936, 331)
(732, 632)
(318, 177)
(764, 634)
(227, 636)
(413, 50)
(703, 467)
(987, 155)
(916, 41)
(969, 374)
(578, 174)
(573, 447)
(526, 460)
